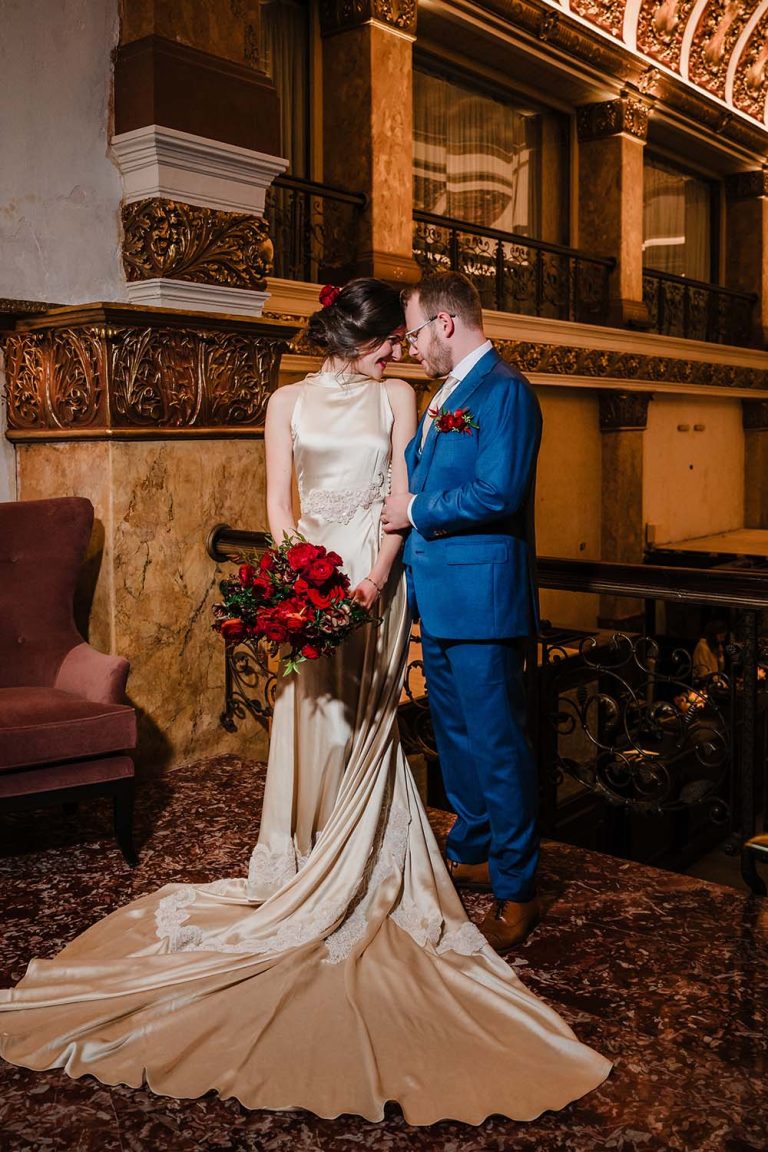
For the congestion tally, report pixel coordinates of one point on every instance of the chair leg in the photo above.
(123, 809)
(749, 872)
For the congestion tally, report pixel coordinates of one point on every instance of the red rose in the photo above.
(246, 573)
(233, 630)
(270, 628)
(267, 562)
(300, 556)
(338, 592)
(292, 614)
(300, 586)
(335, 559)
(319, 599)
(310, 652)
(328, 294)
(262, 585)
(320, 570)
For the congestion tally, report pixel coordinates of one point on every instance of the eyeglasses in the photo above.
(412, 336)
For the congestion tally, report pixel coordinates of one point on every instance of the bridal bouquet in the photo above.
(294, 594)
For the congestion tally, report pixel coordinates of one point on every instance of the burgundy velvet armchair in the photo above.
(65, 729)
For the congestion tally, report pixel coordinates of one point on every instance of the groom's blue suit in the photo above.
(470, 566)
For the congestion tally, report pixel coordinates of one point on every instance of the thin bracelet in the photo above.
(370, 580)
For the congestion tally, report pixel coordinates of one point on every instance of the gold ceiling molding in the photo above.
(565, 361)
(720, 49)
(166, 238)
(119, 372)
(339, 15)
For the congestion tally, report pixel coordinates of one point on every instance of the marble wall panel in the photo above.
(230, 31)
(155, 502)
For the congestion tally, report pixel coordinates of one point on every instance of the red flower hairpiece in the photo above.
(328, 295)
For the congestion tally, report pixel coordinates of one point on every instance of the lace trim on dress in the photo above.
(466, 940)
(341, 504)
(267, 869)
(390, 859)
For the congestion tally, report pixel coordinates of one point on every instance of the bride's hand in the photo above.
(366, 592)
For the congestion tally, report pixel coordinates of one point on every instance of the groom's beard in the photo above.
(437, 361)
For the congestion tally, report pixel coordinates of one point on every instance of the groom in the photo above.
(470, 566)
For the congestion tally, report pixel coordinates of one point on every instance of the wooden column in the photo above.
(746, 245)
(755, 418)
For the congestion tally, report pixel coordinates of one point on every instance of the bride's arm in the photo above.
(403, 403)
(278, 444)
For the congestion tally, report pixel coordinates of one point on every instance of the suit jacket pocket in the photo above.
(470, 550)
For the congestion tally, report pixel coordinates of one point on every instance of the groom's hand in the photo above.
(395, 514)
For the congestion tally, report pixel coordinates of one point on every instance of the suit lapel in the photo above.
(458, 399)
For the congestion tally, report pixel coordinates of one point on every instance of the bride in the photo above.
(343, 971)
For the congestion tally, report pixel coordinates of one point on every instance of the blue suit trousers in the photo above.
(477, 705)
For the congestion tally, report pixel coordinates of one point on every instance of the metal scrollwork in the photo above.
(250, 685)
(643, 738)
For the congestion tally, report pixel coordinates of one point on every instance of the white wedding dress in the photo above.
(343, 972)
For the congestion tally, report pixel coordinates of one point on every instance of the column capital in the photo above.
(613, 118)
(340, 15)
(747, 185)
(623, 411)
(754, 415)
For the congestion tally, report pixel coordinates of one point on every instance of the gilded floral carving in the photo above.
(660, 28)
(719, 27)
(165, 238)
(606, 14)
(143, 379)
(610, 117)
(750, 82)
(338, 15)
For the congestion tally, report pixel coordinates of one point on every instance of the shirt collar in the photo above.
(465, 365)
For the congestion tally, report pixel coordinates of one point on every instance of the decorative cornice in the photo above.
(623, 411)
(104, 372)
(340, 15)
(612, 118)
(158, 161)
(182, 241)
(754, 415)
(601, 363)
(747, 185)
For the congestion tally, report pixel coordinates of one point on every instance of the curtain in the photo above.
(285, 40)
(475, 158)
(676, 222)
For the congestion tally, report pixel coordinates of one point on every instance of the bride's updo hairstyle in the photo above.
(357, 318)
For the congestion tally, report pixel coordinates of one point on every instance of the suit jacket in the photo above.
(470, 560)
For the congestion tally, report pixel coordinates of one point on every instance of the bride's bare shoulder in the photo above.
(282, 400)
(401, 394)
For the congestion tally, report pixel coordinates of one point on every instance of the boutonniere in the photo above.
(460, 420)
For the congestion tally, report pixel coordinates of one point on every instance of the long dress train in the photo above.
(343, 971)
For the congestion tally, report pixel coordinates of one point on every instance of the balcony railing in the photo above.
(515, 273)
(314, 229)
(696, 310)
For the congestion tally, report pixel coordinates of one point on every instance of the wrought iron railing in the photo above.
(696, 310)
(314, 229)
(617, 716)
(622, 715)
(515, 273)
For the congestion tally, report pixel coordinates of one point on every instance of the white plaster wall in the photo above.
(568, 495)
(693, 481)
(59, 190)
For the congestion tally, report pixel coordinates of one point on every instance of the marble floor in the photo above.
(666, 974)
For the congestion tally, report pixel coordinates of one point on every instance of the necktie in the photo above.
(437, 402)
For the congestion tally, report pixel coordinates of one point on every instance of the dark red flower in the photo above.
(320, 570)
(335, 559)
(300, 556)
(246, 572)
(267, 561)
(233, 630)
(328, 295)
(300, 586)
(262, 585)
(319, 599)
(310, 652)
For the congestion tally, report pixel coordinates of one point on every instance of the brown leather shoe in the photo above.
(475, 876)
(507, 923)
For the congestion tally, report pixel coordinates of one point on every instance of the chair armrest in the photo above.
(98, 677)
